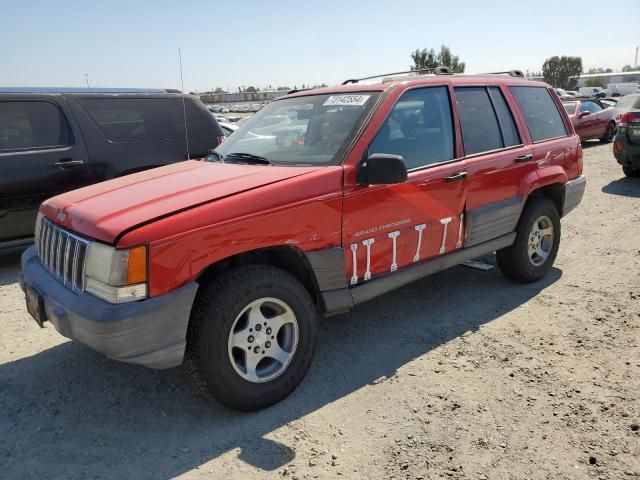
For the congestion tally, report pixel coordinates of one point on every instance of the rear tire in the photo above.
(537, 241)
(249, 308)
(631, 172)
(609, 133)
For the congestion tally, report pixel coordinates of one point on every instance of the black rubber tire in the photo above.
(631, 172)
(513, 261)
(216, 307)
(609, 133)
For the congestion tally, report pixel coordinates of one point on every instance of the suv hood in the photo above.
(105, 210)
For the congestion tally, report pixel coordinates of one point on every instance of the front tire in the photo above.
(537, 241)
(631, 172)
(251, 336)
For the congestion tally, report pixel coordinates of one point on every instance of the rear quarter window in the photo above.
(540, 112)
(128, 120)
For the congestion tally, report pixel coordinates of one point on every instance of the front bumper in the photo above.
(573, 193)
(150, 332)
(629, 156)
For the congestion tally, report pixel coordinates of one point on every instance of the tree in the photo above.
(596, 82)
(251, 89)
(219, 90)
(562, 72)
(629, 68)
(424, 58)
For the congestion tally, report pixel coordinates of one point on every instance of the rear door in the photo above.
(42, 154)
(497, 159)
(388, 227)
(126, 133)
(597, 121)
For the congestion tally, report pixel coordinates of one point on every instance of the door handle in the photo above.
(456, 177)
(524, 158)
(67, 162)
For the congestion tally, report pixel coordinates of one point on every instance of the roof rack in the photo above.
(296, 90)
(511, 73)
(435, 71)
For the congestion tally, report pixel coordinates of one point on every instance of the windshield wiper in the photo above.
(248, 158)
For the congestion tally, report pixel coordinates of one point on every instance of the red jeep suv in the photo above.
(324, 199)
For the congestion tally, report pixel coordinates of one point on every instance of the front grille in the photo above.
(63, 254)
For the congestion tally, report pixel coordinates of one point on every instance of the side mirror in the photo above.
(382, 169)
(584, 114)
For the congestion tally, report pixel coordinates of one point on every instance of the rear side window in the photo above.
(487, 123)
(33, 124)
(540, 112)
(127, 120)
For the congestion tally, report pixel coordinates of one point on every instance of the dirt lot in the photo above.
(463, 375)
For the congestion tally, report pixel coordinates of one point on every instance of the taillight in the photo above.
(629, 117)
(220, 139)
(580, 160)
(617, 147)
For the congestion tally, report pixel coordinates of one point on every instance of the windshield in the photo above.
(570, 107)
(309, 130)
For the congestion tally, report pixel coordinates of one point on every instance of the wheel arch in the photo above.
(548, 182)
(286, 257)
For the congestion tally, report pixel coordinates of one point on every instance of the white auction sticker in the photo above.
(344, 100)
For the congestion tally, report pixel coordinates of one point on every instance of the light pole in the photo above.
(86, 79)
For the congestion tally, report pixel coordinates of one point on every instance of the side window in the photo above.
(33, 124)
(540, 112)
(486, 121)
(127, 120)
(510, 135)
(590, 107)
(419, 128)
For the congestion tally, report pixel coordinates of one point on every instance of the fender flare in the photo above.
(553, 174)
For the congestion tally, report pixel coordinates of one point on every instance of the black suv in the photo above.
(626, 143)
(55, 140)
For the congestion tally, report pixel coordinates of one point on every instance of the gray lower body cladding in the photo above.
(573, 193)
(151, 332)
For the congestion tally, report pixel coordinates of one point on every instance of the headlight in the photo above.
(117, 276)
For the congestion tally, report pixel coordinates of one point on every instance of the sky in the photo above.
(135, 43)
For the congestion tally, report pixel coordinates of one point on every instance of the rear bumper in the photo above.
(573, 193)
(150, 332)
(629, 156)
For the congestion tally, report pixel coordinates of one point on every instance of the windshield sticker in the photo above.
(344, 100)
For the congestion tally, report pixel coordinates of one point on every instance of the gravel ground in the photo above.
(463, 375)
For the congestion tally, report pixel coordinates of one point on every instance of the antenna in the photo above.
(184, 106)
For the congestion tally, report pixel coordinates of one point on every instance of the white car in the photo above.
(227, 128)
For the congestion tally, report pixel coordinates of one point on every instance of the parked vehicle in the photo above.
(597, 92)
(591, 119)
(563, 94)
(225, 264)
(574, 93)
(626, 145)
(608, 102)
(228, 128)
(56, 140)
(621, 89)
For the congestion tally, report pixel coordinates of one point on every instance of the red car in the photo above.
(322, 200)
(591, 119)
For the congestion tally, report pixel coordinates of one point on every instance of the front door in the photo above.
(389, 227)
(41, 155)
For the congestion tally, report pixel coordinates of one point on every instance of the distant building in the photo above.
(241, 96)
